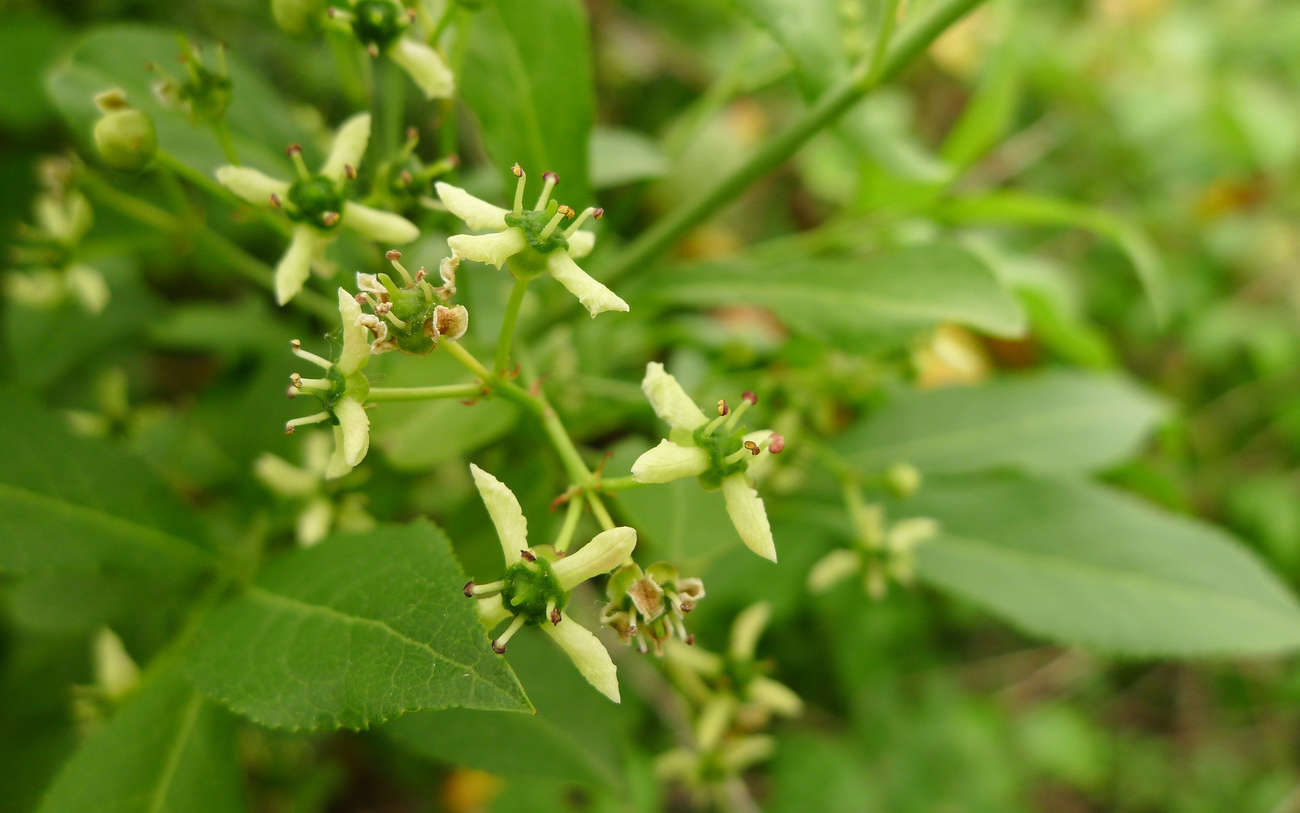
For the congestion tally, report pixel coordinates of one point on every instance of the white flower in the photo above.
(318, 205)
(382, 26)
(530, 239)
(537, 582)
(717, 451)
(343, 391)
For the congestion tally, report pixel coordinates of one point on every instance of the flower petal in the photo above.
(746, 629)
(338, 464)
(668, 461)
(747, 513)
(424, 66)
(356, 429)
(507, 517)
(378, 225)
(587, 653)
(670, 401)
(581, 243)
(832, 569)
(284, 478)
(494, 248)
(478, 214)
(251, 185)
(594, 296)
(606, 551)
(313, 523)
(295, 266)
(906, 534)
(492, 611)
(348, 148)
(775, 697)
(356, 339)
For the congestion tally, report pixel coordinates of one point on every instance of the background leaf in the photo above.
(1089, 566)
(527, 76)
(353, 632)
(1057, 421)
(166, 749)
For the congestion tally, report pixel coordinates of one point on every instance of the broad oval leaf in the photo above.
(846, 299)
(527, 77)
(168, 748)
(1090, 566)
(1059, 421)
(353, 632)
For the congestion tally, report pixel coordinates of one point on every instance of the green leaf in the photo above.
(1056, 421)
(86, 526)
(527, 76)
(851, 299)
(1089, 566)
(353, 632)
(572, 737)
(620, 156)
(1020, 209)
(166, 749)
(119, 55)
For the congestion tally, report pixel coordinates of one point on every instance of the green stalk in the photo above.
(832, 104)
(571, 516)
(508, 322)
(424, 393)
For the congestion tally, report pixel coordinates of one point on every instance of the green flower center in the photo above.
(378, 22)
(533, 222)
(530, 586)
(717, 447)
(355, 385)
(207, 93)
(313, 197)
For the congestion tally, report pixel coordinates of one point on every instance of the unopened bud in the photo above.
(903, 479)
(124, 137)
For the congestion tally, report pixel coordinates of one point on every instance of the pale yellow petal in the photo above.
(503, 508)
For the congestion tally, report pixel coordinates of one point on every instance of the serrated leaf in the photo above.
(573, 737)
(167, 749)
(119, 55)
(353, 632)
(1058, 421)
(890, 294)
(527, 77)
(1089, 566)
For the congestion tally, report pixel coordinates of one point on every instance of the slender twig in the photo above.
(508, 323)
(424, 393)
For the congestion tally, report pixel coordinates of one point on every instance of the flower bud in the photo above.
(124, 136)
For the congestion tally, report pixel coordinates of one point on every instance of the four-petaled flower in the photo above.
(317, 203)
(382, 27)
(343, 390)
(878, 553)
(531, 239)
(537, 582)
(650, 604)
(717, 451)
(410, 317)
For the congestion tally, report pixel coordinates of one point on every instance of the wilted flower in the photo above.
(382, 27)
(531, 239)
(204, 93)
(717, 451)
(878, 553)
(405, 181)
(317, 203)
(412, 317)
(537, 581)
(343, 390)
(319, 511)
(650, 604)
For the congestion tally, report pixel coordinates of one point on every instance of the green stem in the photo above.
(571, 516)
(508, 323)
(209, 185)
(424, 393)
(618, 483)
(884, 35)
(832, 104)
(444, 19)
(227, 143)
(343, 47)
(598, 508)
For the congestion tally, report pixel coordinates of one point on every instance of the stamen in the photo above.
(776, 443)
(480, 590)
(429, 294)
(723, 409)
(591, 211)
(319, 417)
(314, 384)
(388, 314)
(373, 50)
(553, 613)
(711, 426)
(329, 218)
(393, 256)
(406, 177)
(752, 447)
(554, 222)
(550, 180)
(527, 554)
(275, 201)
(519, 187)
(747, 400)
(295, 347)
(739, 454)
(350, 171)
(294, 151)
(499, 643)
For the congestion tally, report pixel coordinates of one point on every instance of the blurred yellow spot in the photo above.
(469, 791)
(952, 356)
